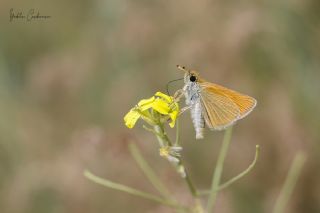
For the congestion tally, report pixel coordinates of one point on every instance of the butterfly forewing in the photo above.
(245, 103)
(219, 110)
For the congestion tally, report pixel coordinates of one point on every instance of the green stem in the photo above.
(218, 170)
(129, 190)
(191, 186)
(151, 130)
(165, 136)
(290, 182)
(165, 140)
(147, 170)
(198, 206)
(234, 179)
(160, 136)
(176, 143)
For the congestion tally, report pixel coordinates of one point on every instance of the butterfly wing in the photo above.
(219, 111)
(223, 107)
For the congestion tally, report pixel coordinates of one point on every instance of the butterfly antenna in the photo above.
(182, 68)
(167, 86)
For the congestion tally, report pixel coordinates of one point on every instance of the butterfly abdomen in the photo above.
(191, 90)
(197, 119)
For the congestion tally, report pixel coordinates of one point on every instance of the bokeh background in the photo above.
(66, 83)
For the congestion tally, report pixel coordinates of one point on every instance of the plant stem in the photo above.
(242, 174)
(151, 130)
(190, 185)
(234, 179)
(290, 182)
(160, 136)
(165, 140)
(218, 170)
(147, 170)
(130, 190)
(176, 143)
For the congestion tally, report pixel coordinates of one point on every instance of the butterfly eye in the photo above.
(193, 78)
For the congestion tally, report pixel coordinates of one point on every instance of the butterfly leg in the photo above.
(184, 109)
(177, 95)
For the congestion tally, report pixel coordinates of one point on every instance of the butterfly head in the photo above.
(189, 75)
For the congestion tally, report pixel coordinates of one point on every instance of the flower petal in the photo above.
(164, 151)
(145, 104)
(160, 102)
(164, 96)
(161, 106)
(173, 116)
(131, 118)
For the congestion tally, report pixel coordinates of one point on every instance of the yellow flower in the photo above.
(172, 153)
(164, 151)
(160, 102)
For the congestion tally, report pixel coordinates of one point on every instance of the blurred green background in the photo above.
(66, 82)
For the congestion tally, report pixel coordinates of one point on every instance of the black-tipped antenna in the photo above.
(167, 86)
(182, 68)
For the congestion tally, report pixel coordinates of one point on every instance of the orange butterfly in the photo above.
(211, 104)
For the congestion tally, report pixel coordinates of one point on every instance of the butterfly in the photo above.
(212, 105)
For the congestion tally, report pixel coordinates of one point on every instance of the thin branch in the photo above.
(242, 174)
(147, 170)
(129, 190)
(160, 136)
(176, 143)
(164, 139)
(192, 188)
(151, 130)
(234, 179)
(290, 182)
(218, 170)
